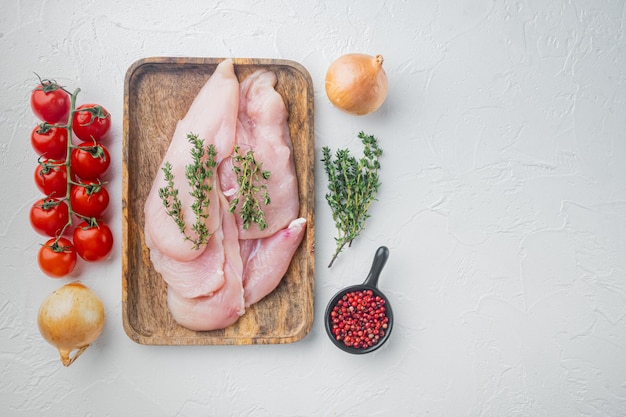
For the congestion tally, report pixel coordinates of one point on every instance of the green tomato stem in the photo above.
(68, 168)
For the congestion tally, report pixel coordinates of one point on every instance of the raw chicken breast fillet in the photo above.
(262, 126)
(214, 121)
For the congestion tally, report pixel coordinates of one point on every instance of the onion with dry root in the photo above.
(357, 83)
(71, 318)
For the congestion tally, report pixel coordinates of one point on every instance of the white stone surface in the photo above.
(503, 204)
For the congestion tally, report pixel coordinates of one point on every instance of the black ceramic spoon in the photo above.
(370, 283)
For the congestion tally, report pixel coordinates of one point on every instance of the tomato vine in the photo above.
(49, 102)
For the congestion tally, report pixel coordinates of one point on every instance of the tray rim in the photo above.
(195, 340)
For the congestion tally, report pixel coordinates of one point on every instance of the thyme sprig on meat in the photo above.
(252, 181)
(198, 173)
(352, 187)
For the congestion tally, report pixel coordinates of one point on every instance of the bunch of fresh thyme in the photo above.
(251, 179)
(352, 186)
(198, 174)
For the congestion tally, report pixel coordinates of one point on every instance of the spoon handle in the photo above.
(380, 258)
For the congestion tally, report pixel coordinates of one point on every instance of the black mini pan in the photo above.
(370, 283)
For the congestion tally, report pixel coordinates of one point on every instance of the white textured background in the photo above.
(503, 205)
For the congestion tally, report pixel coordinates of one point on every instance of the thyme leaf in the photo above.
(198, 174)
(352, 187)
(252, 188)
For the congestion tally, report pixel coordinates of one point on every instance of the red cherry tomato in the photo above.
(50, 103)
(89, 199)
(90, 161)
(50, 142)
(93, 242)
(91, 122)
(51, 178)
(57, 258)
(49, 216)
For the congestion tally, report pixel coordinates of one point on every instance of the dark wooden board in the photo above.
(157, 93)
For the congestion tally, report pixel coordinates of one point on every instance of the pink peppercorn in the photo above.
(358, 319)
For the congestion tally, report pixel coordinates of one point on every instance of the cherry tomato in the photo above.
(90, 161)
(57, 258)
(51, 178)
(89, 199)
(49, 141)
(48, 216)
(50, 103)
(93, 241)
(91, 122)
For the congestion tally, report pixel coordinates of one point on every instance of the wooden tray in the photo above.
(157, 93)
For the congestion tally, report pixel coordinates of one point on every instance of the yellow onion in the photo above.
(71, 318)
(357, 83)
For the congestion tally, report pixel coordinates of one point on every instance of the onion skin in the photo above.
(357, 83)
(71, 318)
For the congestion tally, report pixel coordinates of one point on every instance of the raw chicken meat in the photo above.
(267, 260)
(201, 276)
(214, 122)
(262, 126)
(225, 306)
(209, 288)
